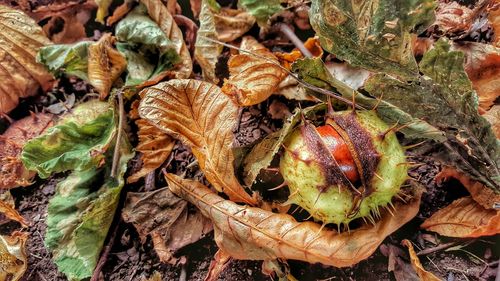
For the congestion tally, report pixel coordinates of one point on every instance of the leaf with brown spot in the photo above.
(252, 80)
(251, 233)
(20, 75)
(159, 13)
(482, 64)
(13, 258)
(155, 147)
(165, 217)
(12, 171)
(105, 64)
(463, 218)
(7, 208)
(415, 262)
(202, 117)
(232, 24)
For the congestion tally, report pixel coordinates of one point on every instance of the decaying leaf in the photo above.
(155, 147)
(71, 59)
(21, 75)
(202, 117)
(464, 217)
(207, 52)
(482, 64)
(159, 13)
(105, 65)
(13, 257)
(494, 18)
(415, 262)
(12, 171)
(452, 18)
(252, 79)
(262, 10)
(252, 233)
(166, 218)
(493, 116)
(372, 34)
(312, 45)
(217, 265)
(75, 143)
(7, 208)
(231, 24)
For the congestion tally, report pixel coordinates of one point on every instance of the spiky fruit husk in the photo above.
(308, 178)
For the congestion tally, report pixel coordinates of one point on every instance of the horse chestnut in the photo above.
(344, 170)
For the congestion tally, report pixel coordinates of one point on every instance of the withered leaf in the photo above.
(202, 117)
(423, 274)
(155, 147)
(159, 13)
(165, 217)
(231, 24)
(7, 208)
(452, 18)
(105, 64)
(12, 171)
(482, 64)
(13, 258)
(494, 18)
(252, 233)
(217, 265)
(21, 75)
(464, 217)
(493, 116)
(252, 79)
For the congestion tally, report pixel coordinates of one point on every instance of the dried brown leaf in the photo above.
(252, 233)
(232, 24)
(482, 64)
(165, 217)
(12, 171)
(195, 7)
(159, 13)
(451, 17)
(493, 116)
(252, 79)
(7, 208)
(415, 262)
(494, 18)
(202, 117)
(155, 147)
(464, 217)
(312, 45)
(479, 192)
(20, 75)
(13, 258)
(105, 64)
(120, 12)
(219, 263)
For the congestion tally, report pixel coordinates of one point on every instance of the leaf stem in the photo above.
(121, 116)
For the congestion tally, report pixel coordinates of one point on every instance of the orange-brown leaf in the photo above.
(155, 147)
(494, 18)
(464, 217)
(7, 208)
(202, 117)
(252, 80)
(219, 263)
(252, 233)
(105, 64)
(13, 258)
(20, 75)
(415, 262)
(312, 45)
(12, 171)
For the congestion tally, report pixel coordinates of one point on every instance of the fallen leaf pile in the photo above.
(163, 122)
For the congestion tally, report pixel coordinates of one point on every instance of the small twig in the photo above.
(288, 32)
(116, 154)
(437, 248)
(105, 253)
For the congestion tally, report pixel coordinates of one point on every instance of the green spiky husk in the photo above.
(305, 178)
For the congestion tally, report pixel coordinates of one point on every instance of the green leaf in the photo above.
(207, 52)
(146, 47)
(79, 215)
(446, 100)
(77, 143)
(262, 10)
(71, 59)
(373, 34)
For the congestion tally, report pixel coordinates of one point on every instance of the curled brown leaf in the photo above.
(105, 64)
(252, 233)
(20, 75)
(12, 171)
(464, 217)
(202, 117)
(159, 13)
(252, 80)
(13, 258)
(423, 274)
(231, 24)
(7, 208)
(219, 263)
